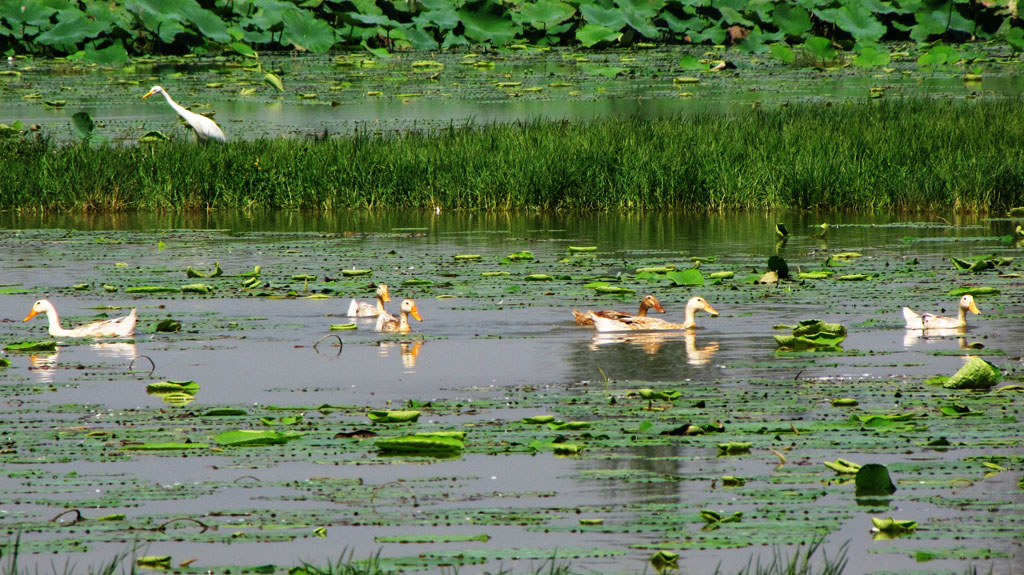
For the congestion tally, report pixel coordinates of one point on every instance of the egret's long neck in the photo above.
(54, 320)
(177, 107)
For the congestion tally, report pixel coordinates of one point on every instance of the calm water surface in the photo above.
(492, 345)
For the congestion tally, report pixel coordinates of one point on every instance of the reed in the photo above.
(899, 155)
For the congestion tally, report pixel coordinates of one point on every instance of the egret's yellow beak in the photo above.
(416, 313)
(33, 314)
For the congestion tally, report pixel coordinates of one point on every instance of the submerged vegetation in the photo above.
(896, 155)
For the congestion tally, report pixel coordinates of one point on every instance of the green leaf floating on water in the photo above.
(417, 282)
(160, 387)
(568, 425)
(665, 395)
(734, 447)
(664, 560)
(252, 437)
(154, 561)
(196, 288)
(467, 257)
(494, 274)
(845, 402)
(352, 273)
(384, 416)
(343, 326)
(813, 334)
(815, 275)
(167, 326)
(225, 412)
(539, 419)
(975, 290)
(432, 538)
(194, 273)
(872, 479)
(890, 525)
(166, 446)
(31, 346)
(843, 466)
(519, 256)
(306, 277)
(4, 362)
(538, 278)
(151, 289)
(710, 516)
(722, 275)
(689, 277)
(975, 374)
(429, 444)
(613, 290)
(567, 449)
(733, 481)
(582, 248)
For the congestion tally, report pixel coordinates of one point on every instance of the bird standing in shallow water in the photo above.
(205, 128)
(117, 327)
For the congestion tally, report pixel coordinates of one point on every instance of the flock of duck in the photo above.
(603, 321)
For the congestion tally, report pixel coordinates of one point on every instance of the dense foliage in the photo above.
(900, 155)
(109, 31)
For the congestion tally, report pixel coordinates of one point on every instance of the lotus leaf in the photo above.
(164, 387)
(194, 273)
(4, 362)
(582, 248)
(664, 560)
(722, 275)
(425, 444)
(734, 447)
(872, 479)
(342, 326)
(815, 275)
(538, 278)
(569, 425)
(539, 419)
(384, 416)
(891, 525)
(151, 289)
(196, 288)
(467, 257)
(251, 437)
(975, 374)
(31, 346)
(167, 446)
(710, 516)
(689, 277)
(519, 256)
(843, 466)
(975, 291)
(353, 273)
(610, 289)
(154, 561)
(592, 521)
(733, 481)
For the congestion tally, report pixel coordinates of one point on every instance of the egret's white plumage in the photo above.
(205, 128)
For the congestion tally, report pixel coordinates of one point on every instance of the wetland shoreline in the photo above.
(899, 155)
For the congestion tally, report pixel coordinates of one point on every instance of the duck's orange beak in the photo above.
(416, 313)
(148, 94)
(34, 313)
(974, 307)
(712, 311)
(386, 296)
(658, 307)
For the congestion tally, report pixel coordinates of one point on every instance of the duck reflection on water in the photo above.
(652, 341)
(43, 367)
(409, 350)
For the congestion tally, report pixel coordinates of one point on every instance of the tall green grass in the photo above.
(908, 155)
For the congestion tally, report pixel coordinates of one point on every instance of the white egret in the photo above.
(204, 127)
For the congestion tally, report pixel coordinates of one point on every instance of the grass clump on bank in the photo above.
(898, 155)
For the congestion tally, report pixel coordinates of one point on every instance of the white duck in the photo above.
(925, 321)
(117, 327)
(363, 309)
(389, 323)
(650, 323)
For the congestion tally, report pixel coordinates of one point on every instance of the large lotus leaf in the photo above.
(857, 20)
(639, 15)
(207, 23)
(250, 437)
(873, 479)
(733, 17)
(26, 13)
(607, 17)
(451, 40)
(83, 125)
(938, 56)
(1015, 38)
(113, 55)
(690, 277)
(420, 39)
(110, 15)
(592, 34)
(757, 41)
(269, 15)
(934, 20)
(374, 20)
(73, 27)
(683, 25)
(782, 53)
(793, 20)
(545, 14)
(820, 48)
(302, 30)
(444, 18)
(872, 56)
(487, 26)
(975, 374)
(161, 17)
(367, 7)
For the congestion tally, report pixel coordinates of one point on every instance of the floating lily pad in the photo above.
(151, 289)
(688, 277)
(420, 444)
(872, 479)
(31, 346)
(342, 326)
(354, 273)
(383, 416)
(162, 387)
(890, 525)
(252, 437)
(975, 374)
(194, 273)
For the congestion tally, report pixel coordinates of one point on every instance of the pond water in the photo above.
(492, 349)
(348, 93)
